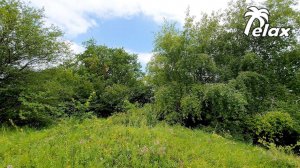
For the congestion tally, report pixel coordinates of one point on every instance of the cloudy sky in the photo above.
(118, 23)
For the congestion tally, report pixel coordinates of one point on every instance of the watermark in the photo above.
(264, 29)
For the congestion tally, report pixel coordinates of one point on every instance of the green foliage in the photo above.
(295, 83)
(115, 76)
(210, 73)
(178, 59)
(25, 43)
(167, 103)
(251, 62)
(211, 104)
(61, 93)
(114, 97)
(255, 87)
(191, 108)
(292, 108)
(275, 127)
(137, 117)
(35, 112)
(223, 107)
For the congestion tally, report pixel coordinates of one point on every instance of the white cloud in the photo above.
(76, 48)
(144, 58)
(77, 16)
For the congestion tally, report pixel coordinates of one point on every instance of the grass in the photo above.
(107, 143)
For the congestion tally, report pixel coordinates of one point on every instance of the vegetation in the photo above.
(107, 143)
(211, 74)
(207, 75)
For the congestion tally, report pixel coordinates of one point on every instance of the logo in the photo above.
(264, 29)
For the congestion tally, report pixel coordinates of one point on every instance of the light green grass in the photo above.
(103, 143)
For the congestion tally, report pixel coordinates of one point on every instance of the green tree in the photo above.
(115, 75)
(240, 75)
(25, 44)
(61, 92)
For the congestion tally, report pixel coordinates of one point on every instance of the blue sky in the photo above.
(135, 33)
(130, 24)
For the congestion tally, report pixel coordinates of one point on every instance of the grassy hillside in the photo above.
(105, 143)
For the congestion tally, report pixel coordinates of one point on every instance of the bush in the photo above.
(211, 105)
(60, 93)
(191, 109)
(275, 127)
(224, 107)
(167, 103)
(36, 113)
(255, 88)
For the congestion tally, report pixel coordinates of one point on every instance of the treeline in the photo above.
(208, 74)
(211, 74)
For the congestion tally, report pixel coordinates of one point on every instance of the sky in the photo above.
(130, 24)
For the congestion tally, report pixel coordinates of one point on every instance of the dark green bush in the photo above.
(191, 109)
(275, 127)
(60, 93)
(167, 103)
(223, 107)
(211, 104)
(255, 87)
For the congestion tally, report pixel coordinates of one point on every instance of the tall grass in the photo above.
(121, 142)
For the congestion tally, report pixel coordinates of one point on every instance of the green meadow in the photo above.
(119, 142)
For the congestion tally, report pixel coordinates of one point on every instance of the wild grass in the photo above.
(117, 142)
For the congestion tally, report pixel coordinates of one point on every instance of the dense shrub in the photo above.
(217, 105)
(292, 108)
(251, 62)
(191, 107)
(275, 127)
(167, 103)
(60, 93)
(223, 107)
(255, 87)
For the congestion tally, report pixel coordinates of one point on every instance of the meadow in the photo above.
(120, 141)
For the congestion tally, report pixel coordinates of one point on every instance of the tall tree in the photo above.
(25, 43)
(115, 75)
(215, 51)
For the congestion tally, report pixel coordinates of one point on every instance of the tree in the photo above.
(61, 92)
(242, 75)
(115, 75)
(25, 43)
